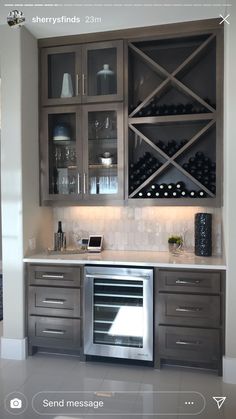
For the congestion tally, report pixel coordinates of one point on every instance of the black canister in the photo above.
(203, 234)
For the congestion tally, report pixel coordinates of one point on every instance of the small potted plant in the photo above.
(175, 243)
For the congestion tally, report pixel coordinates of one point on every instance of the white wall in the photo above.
(19, 180)
(230, 200)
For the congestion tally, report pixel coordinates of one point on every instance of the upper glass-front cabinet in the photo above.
(74, 74)
(103, 152)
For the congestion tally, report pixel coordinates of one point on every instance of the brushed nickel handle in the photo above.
(78, 183)
(188, 342)
(189, 309)
(85, 188)
(50, 301)
(77, 78)
(54, 332)
(83, 84)
(187, 282)
(120, 277)
(53, 276)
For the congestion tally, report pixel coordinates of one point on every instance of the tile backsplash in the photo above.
(127, 228)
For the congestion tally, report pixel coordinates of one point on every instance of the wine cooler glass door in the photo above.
(119, 310)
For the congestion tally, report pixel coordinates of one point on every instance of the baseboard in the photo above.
(13, 348)
(229, 370)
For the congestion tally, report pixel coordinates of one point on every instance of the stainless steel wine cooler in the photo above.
(118, 312)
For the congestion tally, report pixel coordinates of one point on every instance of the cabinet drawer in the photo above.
(189, 281)
(52, 301)
(54, 332)
(54, 275)
(188, 310)
(186, 344)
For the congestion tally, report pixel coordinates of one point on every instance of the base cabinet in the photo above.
(54, 308)
(189, 318)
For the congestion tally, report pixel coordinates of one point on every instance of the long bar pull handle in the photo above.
(78, 183)
(189, 309)
(48, 301)
(54, 332)
(83, 84)
(187, 282)
(77, 78)
(120, 277)
(188, 342)
(85, 188)
(52, 276)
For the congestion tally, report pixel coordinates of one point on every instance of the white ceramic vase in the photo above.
(67, 87)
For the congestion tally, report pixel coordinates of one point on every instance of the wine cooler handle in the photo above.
(83, 84)
(77, 78)
(119, 277)
(45, 276)
(54, 332)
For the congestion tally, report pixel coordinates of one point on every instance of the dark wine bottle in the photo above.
(175, 194)
(180, 185)
(186, 166)
(184, 193)
(201, 194)
(212, 188)
(140, 194)
(59, 230)
(149, 194)
(199, 155)
(192, 194)
(163, 187)
(191, 160)
(171, 186)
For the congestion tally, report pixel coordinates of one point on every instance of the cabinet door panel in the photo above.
(61, 75)
(103, 152)
(189, 310)
(102, 78)
(54, 275)
(186, 344)
(61, 154)
(189, 281)
(52, 301)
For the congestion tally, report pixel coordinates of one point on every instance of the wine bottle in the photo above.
(199, 155)
(175, 194)
(186, 166)
(201, 194)
(166, 194)
(192, 194)
(163, 187)
(171, 186)
(212, 188)
(149, 194)
(184, 193)
(192, 160)
(180, 185)
(140, 194)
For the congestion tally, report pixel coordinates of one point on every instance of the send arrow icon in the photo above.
(220, 401)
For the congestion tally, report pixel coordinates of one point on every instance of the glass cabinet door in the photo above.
(62, 154)
(61, 69)
(102, 78)
(103, 153)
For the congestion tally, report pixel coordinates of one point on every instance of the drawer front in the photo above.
(186, 344)
(189, 281)
(69, 276)
(188, 310)
(52, 301)
(60, 333)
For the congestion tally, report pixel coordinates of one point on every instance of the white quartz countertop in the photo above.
(136, 258)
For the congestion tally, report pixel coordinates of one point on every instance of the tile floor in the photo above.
(44, 372)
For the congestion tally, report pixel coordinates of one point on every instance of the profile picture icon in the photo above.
(15, 18)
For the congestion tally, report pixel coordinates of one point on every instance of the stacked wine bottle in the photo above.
(202, 168)
(153, 108)
(142, 170)
(171, 190)
(171, 147)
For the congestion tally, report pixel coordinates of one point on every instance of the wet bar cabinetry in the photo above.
(135, 117)
(189, 318)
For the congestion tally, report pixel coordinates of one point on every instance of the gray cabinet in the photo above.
(82, 156)
(54, 307)
(189, 318)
